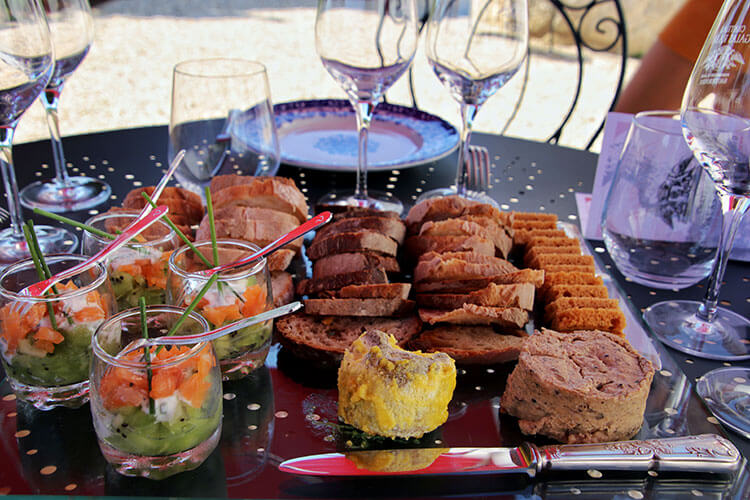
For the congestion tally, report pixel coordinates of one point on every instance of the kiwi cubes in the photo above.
(128, 289)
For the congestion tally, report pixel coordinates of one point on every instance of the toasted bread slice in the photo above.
(564, 303)
(280, 259)
(515, 295)
(449, 207)
(471, 314)
(470, 345)
(369, 276)
(433, 266)
(569, 268)
(343, 212)
(417, 245)
(359, 307)
(324, 340)
(264, 192)
(533, 224)
(383, 291)
(362, 240)
(533, 276)
(534, 252)
(332, 265)
(571, 278)
(219, 182)
(558, 291)
(534, 216)
(234, 223)
(543, 261)
(282, 287)
(180, 201)
(589, 318)
(545, 241)
(393, 228)
(522, 237)
(461, 227)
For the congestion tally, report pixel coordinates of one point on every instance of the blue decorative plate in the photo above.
(322, 134)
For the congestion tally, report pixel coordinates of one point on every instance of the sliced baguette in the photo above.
(280, 259)
(449, 207)
(359, 307)
(362, 240)
(459, 265)
(471, 314)
(393, 228)
(258, 231)
(383, 291)
(282, 287)
(515, 295)
(459, 227)
(470, 345)
(219, 182)
(417, 245)
(324, 340)
(369, 276)
(352, 262)
(264, 192)
(533, 276)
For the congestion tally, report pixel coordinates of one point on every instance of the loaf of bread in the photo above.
(387, 391)
(580, 387)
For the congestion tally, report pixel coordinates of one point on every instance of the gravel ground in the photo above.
(125, 81)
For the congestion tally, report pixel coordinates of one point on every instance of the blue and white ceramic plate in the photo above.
(322, 134)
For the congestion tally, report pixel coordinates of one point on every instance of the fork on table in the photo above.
(478, 168)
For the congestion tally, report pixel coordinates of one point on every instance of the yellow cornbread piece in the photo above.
(388, 391)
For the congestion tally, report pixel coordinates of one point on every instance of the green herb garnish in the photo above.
(212, 225)
(146, 353)
(75, 223)
(38, 258)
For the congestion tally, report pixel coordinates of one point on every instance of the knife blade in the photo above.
(703, 453)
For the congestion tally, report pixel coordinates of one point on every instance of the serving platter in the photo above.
(288, 408)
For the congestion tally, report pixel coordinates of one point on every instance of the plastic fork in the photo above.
(479, 168)
(216, 333)
(292, 235)
(129, 233)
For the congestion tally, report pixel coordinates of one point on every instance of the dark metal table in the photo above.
(288, 408)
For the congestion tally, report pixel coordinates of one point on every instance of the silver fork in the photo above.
(4, 215)
(478, 169)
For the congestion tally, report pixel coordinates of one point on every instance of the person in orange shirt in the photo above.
(663, 74)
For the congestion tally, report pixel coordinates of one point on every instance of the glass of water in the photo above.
(222, 116)
(662, 217)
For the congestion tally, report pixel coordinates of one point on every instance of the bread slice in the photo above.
(280, 259)
(543, 261)
(562, 304)
(533, 276)
(558, 291)
(324, 340)
(534, 252)
(470, 345)
(504, 236)
(363, 240)
(234, 223)
(560, 241)
(359, 307)
(344, 211)
(571, 278)
(264, 192)
(219, 182)
(522, 237)
(449, 207)
(369, 276)
(533, 224)
(383, 291)
(433, 266)
(352, 262)
(471, 314)
(176, 206)
(180, 201)
(282, 287)
(565, 268)
(417, 245)
(534, 216)
(393, 228)
(589, 318)
(461, 227)
(514, 295)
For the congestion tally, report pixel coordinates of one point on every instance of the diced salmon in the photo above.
(164, 383)
(194, 389)
(45, 345)
(93, 313)
(218, 315)
(255, 301)
(48, 334)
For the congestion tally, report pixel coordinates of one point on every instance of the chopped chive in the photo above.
(190, 308)
(212, 225)
(146, 353)
(36, 257)
(47, 272)
(74, 223)
(180, 233)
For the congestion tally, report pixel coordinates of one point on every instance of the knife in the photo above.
(703, 453)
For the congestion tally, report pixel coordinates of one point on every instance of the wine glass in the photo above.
(26, 63)
(72, 28)
(366, 45)
(715, 119)
(474, 47)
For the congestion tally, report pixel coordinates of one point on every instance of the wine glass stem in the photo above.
(732, 208)
(364, 111)
(50, 99)
(9, 179)
(468, 112)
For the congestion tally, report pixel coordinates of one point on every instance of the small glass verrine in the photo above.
(159, 416)
(45, 342)
(238, 293)
(138, 269)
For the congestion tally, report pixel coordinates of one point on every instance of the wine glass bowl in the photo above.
(365, 45)
(715, 120)
(72, 31)
(26, 64)
(474, 48)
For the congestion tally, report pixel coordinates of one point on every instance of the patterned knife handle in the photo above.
(703, 453)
